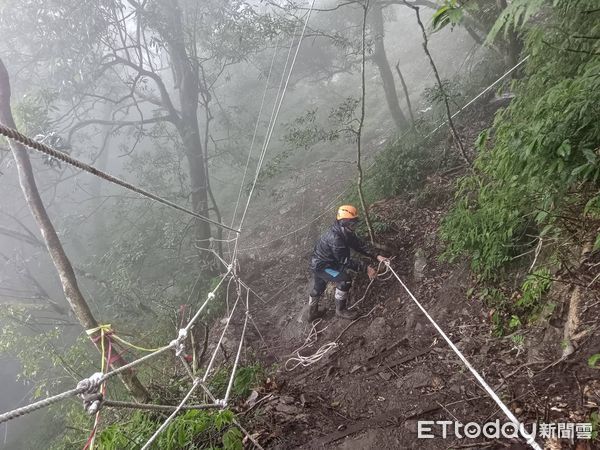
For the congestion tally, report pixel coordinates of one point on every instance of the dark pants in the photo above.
(342, 280)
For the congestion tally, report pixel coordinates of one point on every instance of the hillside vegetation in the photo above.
(496, 223)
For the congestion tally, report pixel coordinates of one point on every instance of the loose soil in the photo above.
(391, 368)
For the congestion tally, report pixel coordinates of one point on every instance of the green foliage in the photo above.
(435, 95)
(450, 13)
(517, 14)
(595, 421)
(593, 360)
(246, 378)
(378, 224)
(544, 154)
(306, 131)
(33, 113)
(518, 340)
(45, 358)
(402, 166)
(514, 322)
(193, 429)
(534, 286)
(509, 313)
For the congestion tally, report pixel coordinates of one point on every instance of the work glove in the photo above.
(371, 272)
(382, 259)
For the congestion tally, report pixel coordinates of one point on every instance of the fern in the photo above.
(545, 144)
(517, 14)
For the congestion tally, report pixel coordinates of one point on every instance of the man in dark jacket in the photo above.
(331, 260)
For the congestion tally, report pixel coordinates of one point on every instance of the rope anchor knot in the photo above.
(92, 399)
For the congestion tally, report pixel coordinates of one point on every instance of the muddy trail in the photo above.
(379, 375)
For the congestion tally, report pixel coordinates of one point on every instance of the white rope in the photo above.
(278, 95)
(478, 96)
(216, 350)
(313, 335)
(311, 339)
(528, 437)
(210, 296)
(270, 134)
(172, 416)
(473, 100)
(355, 304)
(306, 361)
(237, 357)
(196, 381)
(262, 103)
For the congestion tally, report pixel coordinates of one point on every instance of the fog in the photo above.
(111, 88)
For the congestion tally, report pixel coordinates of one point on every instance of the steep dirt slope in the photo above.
(391, 368)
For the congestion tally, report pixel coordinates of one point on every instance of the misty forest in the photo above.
(175, 174)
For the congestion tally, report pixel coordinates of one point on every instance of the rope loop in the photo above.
(92, 384)
(88, 387)
(178, 344)
(306, 361)
(92, 402)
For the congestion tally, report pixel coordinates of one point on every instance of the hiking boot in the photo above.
(341, 300)
(314, 312)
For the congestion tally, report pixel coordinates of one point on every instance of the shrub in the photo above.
(544, 157)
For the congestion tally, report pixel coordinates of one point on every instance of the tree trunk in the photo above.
(361, 122)
(211, 195)
(187, 80)
(406, 95)
(59, 258)
(381, 61)
(455, 135)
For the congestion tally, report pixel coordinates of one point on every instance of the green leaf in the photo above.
(440, 18)
(592, 360)
(449, 13)
(541, 216)
(597, 243)
(546, 229)
(514, 322)
(481, 140)
(564, 149)
(590, 155)
(232, 439)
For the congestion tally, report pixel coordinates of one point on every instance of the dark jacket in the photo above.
(332, 250)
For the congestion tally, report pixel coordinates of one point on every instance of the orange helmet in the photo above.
(347, 212)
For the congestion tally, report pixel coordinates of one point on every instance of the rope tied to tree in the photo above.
(107, 333)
